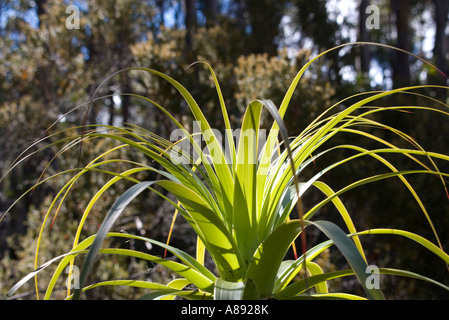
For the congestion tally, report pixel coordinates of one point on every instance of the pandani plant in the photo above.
(238, 198)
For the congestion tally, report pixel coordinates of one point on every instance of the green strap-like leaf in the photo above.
(190, 263)
(188, 294)
(117, 208)
(290, 269)
(127, 283)
(222, 169)
(301, 285)
(350, 252)
(293, 267)
(327, 296)
(315, 269)
(35, 272)
(343, 212)
(212, 231)
(181, 255)
(412, 236)
(192, 275)
(178, 284)
(267, 260)
(245, 218)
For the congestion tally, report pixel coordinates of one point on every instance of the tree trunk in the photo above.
(210, 11)
(439, 49)
(111, 107)
(401, 64)
(160, 5)
(190, 23)
(364, 56)
(40, 7)
(264, 18)
(126, 102)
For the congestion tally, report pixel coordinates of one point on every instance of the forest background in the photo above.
(54, 54)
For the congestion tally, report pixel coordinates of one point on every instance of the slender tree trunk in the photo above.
(40, 7)
(160, 5)
(401, 64)
(126, 102)
(440, 46)
(264, 17)
(190, 23)
(111, 107)
(210, 11)
(364, 56)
